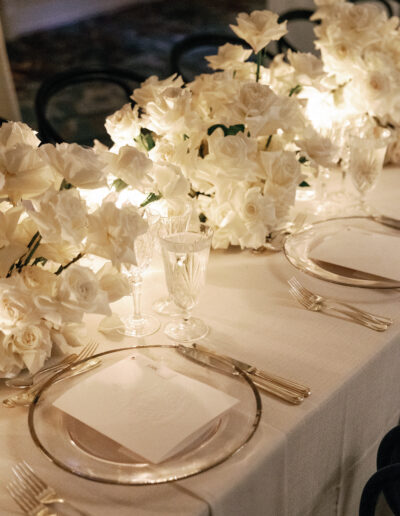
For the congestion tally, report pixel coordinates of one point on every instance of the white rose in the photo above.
(32, 343)
(255, 99)
(112, 233)
(132, 166)
(123, 126)
(259, 28)
(10, 247)
(82, 167)
(78, 288)
(10, 363)
(16, 304)
(68, 336)
(60, 216)
(15, 133)
(232, 156)
(23, 172)
(112, 282)
(152, 88)
(281, 168)
(319, 149)
(306, 65)
(228, 57)
(170, 180)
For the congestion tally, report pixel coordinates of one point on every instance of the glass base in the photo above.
(186, 331)
(147, 325)
(165, 306)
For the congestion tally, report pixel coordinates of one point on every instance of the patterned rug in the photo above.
(137, 38)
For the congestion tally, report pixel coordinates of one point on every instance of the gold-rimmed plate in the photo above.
(81, 450)
(299, 247)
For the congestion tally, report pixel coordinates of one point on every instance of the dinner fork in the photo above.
(317, 298)
(25, 397)
(31, 484)
(27, 502)
(320, 306)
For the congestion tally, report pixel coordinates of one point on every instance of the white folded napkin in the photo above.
(355, 248)
(145, 406)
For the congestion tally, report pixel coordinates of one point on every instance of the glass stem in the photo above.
(136, 281)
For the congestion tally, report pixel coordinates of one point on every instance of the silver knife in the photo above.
(386, 221)
(220, 363)
(254, 371)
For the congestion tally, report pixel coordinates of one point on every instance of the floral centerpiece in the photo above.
(241, 143)
(46, 229)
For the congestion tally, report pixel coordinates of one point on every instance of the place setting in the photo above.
(130, 363)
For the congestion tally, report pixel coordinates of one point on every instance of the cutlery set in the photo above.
(34, 496)
(31, 387)
(317, 303)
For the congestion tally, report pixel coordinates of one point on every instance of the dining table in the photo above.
(310, 459)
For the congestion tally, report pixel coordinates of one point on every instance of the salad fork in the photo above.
(312, 302)
(27, 395)
(27, 502)
(295, 284)
(29, 483)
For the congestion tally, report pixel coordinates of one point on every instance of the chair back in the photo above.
(386, 479)
(124, 80)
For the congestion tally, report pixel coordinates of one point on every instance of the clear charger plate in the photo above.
(81, 450)
(299, 246)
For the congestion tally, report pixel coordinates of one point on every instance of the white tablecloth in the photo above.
(307, 460)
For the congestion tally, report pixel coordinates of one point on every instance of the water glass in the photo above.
(366, 157)
(185, 257)
(167, 225)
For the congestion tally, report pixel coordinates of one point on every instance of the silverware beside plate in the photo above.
(288, 390)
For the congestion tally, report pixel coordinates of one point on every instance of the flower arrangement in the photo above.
(46, 228)
(237, 143)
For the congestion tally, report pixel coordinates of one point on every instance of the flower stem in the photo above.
(63, 267)
(259, 59)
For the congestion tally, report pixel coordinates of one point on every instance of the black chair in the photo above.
(124, 80)
(386, 479)
(304, 37)
(187, 57)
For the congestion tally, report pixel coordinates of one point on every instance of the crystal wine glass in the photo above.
(185, 257)
(366, 157)
(138, 324)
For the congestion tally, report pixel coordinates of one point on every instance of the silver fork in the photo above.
(25, 397)
(27, 381)
(28, 503)
(310, 304)
(330, 302)
(30, 483)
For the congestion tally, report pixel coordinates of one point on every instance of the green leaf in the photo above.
(203, 149)
(228, 131)
(303, 160)
(150, 198)
(185, 137)
(268, 142)
(145, 139)
(303, 184)
(295, 90)
(65, 185)
(202, 217)
(119, 185)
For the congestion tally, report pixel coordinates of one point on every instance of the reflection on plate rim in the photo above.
(320, 273)
(171, 478)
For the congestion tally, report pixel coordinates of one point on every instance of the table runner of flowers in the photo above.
(237, 143)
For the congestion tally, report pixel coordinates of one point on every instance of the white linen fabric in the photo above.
(306, 460)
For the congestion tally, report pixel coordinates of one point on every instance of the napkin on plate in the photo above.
(145, 406)
(362, 250)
